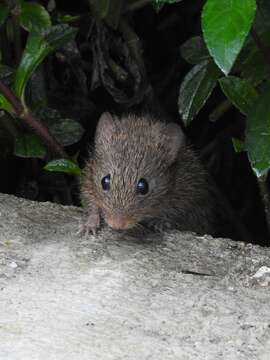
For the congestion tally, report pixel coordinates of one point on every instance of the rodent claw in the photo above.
(90, 226)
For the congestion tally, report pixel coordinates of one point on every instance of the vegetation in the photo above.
(62, 65)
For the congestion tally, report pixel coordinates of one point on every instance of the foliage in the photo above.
(42, 39)
(242, 52)
(230, 54)
(63, 165)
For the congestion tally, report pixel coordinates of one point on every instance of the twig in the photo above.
(41, 130)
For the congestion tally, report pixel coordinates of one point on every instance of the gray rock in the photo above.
(125, 295)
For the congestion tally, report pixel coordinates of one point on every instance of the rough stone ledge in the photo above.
(126, 296)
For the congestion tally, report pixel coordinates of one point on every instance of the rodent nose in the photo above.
(119, 221)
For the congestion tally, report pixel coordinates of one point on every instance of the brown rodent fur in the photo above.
(133, 148)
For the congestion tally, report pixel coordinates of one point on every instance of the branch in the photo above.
(40, 129)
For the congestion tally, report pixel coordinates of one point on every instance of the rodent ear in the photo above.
(175, 139)
(105, 127)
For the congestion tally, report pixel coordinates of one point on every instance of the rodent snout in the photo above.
(119, 221)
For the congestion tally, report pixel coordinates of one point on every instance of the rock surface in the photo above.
(126, 296)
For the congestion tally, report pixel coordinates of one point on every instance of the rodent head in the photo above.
(132, 168)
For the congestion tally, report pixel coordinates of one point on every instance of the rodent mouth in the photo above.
(119, 222)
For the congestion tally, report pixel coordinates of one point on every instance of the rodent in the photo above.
(142, 171)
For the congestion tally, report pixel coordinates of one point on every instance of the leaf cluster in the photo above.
(232, 52)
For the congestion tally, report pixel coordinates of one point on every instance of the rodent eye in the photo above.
(106, 182)
(142, 187)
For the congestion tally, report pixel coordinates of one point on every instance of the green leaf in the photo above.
(34, 16)
(63, 165)
(67, 131)
(65, 18)
(254, 67)
(29, 146)
(239, 91)
(38, 46)
(258, 134)
(6, 75)
(225, 25)
(239, 145)
(194, 50)
(5, 104)
(196, 88)
(35, 51)
(3, 14)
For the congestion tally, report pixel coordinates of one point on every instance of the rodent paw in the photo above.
(91, 225)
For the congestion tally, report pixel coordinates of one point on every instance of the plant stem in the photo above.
(40, 129)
